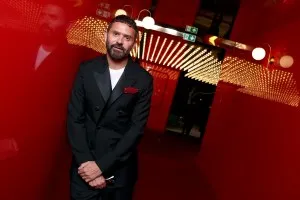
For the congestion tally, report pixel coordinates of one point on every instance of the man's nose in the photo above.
(45, 18)
(120, 40)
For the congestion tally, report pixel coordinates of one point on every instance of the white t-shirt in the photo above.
(115, 75)
(41, 55)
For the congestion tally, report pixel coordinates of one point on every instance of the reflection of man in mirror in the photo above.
(52, 30)
(191, 112)
(38, 73)
(50, 60)
(37, 65)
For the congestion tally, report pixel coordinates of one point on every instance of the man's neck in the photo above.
(51, 44)
(49, 47)
(113, 64)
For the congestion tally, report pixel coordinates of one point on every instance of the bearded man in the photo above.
(107, 113)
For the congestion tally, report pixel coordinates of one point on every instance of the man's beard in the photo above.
(117, 55)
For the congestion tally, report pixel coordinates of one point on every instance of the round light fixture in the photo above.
(286, 61)
(148, 22)
(120, 12)
(258, 53)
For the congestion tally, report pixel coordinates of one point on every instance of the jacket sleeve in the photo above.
(75, 121)
(130, 140)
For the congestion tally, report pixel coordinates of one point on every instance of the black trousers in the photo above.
(124, 193)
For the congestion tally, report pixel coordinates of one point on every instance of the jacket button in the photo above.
(97, 108)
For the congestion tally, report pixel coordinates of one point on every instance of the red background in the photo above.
(250, 150)
(251, 145)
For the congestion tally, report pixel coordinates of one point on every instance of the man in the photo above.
(53, 61)
(191, 113)
(46, 64)
(37, 87)
(108, 111)
(49, 44)
(38, 72)
(52, 23)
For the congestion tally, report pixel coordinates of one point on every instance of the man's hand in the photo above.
(98, 183)
(89, 171)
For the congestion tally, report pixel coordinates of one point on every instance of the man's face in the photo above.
(119, 40)
(52, 22)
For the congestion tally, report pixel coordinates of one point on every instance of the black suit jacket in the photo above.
(38, 97)
(104, 125)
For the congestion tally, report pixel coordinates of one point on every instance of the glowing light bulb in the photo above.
(120, 12)
(258, 53)
(148, 22)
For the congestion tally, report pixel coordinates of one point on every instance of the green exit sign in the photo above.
(189, 37)
(191, 29)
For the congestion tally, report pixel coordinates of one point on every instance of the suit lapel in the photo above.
(126, 80)
(102, 78)
(55, 58)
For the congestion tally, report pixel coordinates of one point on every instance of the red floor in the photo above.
(168, 168)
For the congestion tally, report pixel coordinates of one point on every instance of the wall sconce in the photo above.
(259, 53)
(148, 22)
(286, 61)
(123, 12)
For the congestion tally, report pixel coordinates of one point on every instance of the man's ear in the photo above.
(137, 38)
(136, 41)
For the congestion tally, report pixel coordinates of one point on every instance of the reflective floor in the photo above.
(168, 168)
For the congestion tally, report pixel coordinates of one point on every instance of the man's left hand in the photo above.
(89, 171)
(98, 183)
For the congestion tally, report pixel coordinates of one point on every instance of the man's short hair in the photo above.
(65, 6)
(126, 20)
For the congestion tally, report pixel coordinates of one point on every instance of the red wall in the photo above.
(251, 147)
(165, 83)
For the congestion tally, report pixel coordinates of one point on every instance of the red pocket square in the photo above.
(130, 90)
